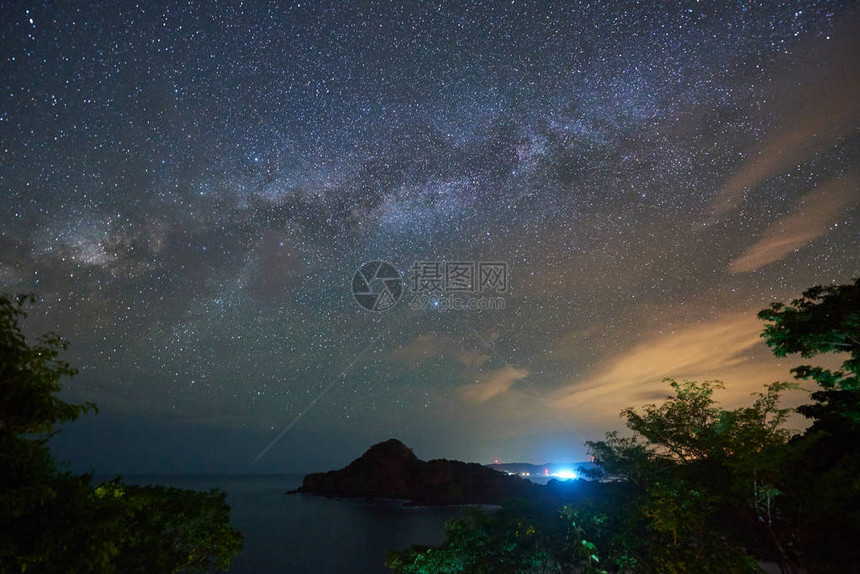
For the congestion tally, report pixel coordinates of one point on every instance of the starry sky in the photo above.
(189, 188)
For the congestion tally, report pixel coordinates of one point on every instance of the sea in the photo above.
(307, 534)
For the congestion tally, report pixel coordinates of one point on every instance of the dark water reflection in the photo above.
(300, 533)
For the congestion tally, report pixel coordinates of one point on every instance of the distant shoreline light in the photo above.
(565, 474)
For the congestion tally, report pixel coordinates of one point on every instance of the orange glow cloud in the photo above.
(492, 384)
(425, 346)
(728, 348)
(810, 219)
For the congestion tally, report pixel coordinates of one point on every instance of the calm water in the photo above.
(299, 533)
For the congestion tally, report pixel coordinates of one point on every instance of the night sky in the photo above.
(189, 189)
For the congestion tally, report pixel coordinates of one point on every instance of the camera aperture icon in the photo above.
(377, 286)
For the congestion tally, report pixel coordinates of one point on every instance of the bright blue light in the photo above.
(565, 474)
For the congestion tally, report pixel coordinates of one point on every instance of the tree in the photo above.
(520, 538)
(821, 471)
(52, 521)
(30, 375)
(160, 529)
(823, 320)
(30, 483)
(694, 467)
(704, 476)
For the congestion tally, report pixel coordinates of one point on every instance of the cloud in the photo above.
(425, 346)
(429, 346)
(492, 384)
(818, 104)
(810, 219)
(727, 348)
(472, 358)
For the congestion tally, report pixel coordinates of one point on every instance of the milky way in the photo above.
(189, 188)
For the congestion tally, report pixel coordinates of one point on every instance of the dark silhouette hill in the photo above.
(390, 470)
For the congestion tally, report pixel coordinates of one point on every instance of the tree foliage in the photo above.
(821, 472)
(692, 467)
(823, 320)
(30, 375)
(518, 538)
(168, 529)
(52, 521)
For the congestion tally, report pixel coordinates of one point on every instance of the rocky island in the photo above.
(390, 470)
